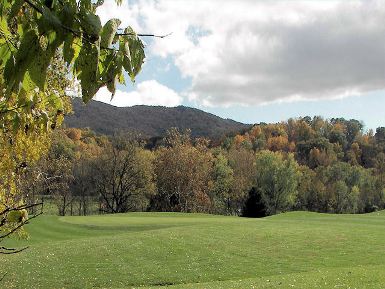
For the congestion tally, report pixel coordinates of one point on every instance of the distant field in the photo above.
(159, 250)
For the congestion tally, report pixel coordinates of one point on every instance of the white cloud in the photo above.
(149, 92)
(255, 52)
(128, 14)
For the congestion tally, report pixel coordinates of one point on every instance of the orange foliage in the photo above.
(202, 202)
(255, 131)
(274, 130)
(278, 143)
(74, 134)
(238, 139)
(340, 127)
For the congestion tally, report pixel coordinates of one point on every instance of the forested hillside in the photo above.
(301, 164)
(151, 121)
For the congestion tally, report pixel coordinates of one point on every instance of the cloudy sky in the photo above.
(256, 61)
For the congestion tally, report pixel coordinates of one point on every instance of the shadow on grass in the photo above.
(130, 228)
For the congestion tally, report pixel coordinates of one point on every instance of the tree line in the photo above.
(302, 164)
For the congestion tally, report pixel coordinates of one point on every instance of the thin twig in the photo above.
(20, 208)
(11, 109)
(144, 35)
(2, 278)
(19, 226)
(153, 35)
(8, 251)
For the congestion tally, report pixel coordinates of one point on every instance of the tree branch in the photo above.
(2, 278)
(8, 251)
(7, 110)
(35, 7)
(8, 209)
(144, 35)
(19, 226)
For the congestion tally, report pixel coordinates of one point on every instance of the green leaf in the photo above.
(91, 25)
(28, 50)
(71, 49)
(106, 60)
(4, 6)
(52, 19)
(28, 84)
(5, 45)
(15, 8)
(85, 5)
(5, 53)
(111, 86)
(67, 14)
(4, 28)
(125, 50)
(9, 68)
(49, 22)
(40, 63)
(137, 56)
(68, 50)
(24, 99)
(133, 54)
(121, 78)
(87, 64)
(108, 32)
(56, 102)
(39, 66)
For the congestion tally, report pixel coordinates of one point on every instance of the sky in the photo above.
(259, 61)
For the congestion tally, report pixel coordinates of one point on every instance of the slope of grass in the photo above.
(158, 250)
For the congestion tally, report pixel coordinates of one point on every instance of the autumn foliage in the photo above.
(302, 164)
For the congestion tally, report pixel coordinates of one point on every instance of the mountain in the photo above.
(150, 121)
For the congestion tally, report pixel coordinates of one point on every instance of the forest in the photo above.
(313, 164)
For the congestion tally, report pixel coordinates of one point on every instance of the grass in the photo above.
(171, 250)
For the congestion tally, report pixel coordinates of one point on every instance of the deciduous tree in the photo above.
(123, 177)
(183, 175)
(276, 180)
(223, 178)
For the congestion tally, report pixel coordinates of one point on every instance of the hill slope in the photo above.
(151, 121)
(140, 250)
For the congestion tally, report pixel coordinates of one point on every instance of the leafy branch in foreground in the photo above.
(12, 219)
(32, 32)
(44, 46)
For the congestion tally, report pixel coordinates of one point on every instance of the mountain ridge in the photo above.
(150, 121)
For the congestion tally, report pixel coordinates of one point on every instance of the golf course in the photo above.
(175, 250)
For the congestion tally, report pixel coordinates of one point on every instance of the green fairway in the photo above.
(158, 250)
